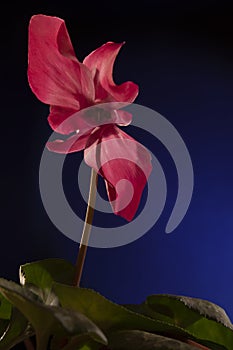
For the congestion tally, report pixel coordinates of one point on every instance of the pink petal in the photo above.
(58, 119)
(74, 143)
(125, 165)
(101, 62)
(65, 120)
(55, 75)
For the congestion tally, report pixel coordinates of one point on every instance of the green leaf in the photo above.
(40, 275)
(138, 340)
(12, 324)
(178, 305)
(108, 315)
(16, 331)
(204, 320)
(48, 320)
(5, 308)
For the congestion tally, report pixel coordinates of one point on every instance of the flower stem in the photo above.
(86, 229)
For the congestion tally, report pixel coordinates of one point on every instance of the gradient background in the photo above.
(181, 55)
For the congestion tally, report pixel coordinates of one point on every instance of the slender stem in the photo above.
(86, 229)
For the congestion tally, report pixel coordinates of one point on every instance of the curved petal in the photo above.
(125, 165)
(55, 75)
(101, 62)
(65, 120)
(74, 143)
(59, 119)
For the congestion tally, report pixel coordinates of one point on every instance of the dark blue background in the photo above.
(181, 55)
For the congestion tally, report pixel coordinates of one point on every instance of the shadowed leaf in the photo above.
(40, 275)
(5, 308)
(138, 340)
(108, 315)
(48, 320)
(206, 321)
(16, 331)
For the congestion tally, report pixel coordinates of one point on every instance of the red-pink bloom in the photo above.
(58, 79)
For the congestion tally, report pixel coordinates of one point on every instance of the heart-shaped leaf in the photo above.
(40, 275)
(48, 320)
(206, 321)
(108, 315)
(178, 306)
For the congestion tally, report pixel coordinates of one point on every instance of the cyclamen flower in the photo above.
(58, 79)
